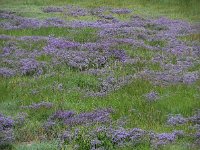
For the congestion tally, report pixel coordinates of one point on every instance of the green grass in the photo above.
(52, 145)
(193, 37)
(79, 35)
(127, 102)
(181, 9)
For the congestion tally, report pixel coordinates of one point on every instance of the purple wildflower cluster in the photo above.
(6, 132)
(68, 10)
(119, 136)
(155, 35)
(29, 66)
(5, 72)
(70, 118)
(101, 58)
(195, 119)
(78, 11)
(161, 139)
(176, 120)
(170, 77)
(96, 137)
(152, 96)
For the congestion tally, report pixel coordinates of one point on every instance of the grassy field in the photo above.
(128, 102)
(181, 9)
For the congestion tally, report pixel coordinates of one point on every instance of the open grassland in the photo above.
(104, 74)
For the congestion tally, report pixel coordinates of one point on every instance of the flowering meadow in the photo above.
(99, 75)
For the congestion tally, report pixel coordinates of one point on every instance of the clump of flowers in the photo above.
(5, 72)
(70, 118)
(176, 120)
(30, 66)
(76, 11)
(152, 96)
(190, 78)
(6, 132)
(195, 119)
(162, 139)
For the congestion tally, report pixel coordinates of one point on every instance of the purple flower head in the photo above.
(176, 120)
(152, 96)
(61, 43)
(6, 122)
(118, 54)
(195, 119)
(5, 72)
(190, 78)
(62, 115)
(29, 66)
(76, 11)
(6, 133)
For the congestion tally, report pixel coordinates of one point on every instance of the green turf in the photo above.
(127, 102)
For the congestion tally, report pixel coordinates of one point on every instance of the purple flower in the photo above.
(195, 119)
(190, 78)
(152, 96)
(118, 54)
(6, 132)
(176, 120)
(5, 72)
(29, 66)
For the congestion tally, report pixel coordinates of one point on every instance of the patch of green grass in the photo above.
(31, 45)
(142, 53)
(192, 37)
(156, 43)
(173, 9)
(51, 145)
(195, 67)
(127, 102)
(79, 35)
(44, 57)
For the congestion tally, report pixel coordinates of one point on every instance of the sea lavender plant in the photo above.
(176, 120)
(29, 66)
(190, 78)
(76, 11)
(5, 72)
(152, 96)
(70, 118)
(162, 139)
(6, 132)
(195, 119)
